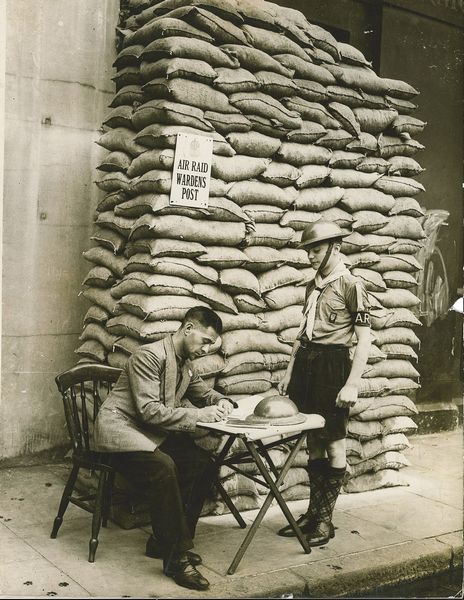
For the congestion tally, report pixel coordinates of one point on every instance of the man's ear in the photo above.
(337, 247)
(188, 327)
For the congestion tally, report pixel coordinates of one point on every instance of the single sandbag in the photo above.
(99, 276)
(239, 281)
(270, 234)
(262, 213)
(374, 121)
(258, 192)
(165, 136)
(254, 144)
(341, 159)
(183, 47)
(312, 176)
(238, 167)
(158, 308)
(245, 383)
(165, 247)
(172, 265)
(224, 123)
(391, 368)
(257, 103)
(389, 442)
(281, 319)
(299, 155)
(399, 279)
(299, 219)
(285, 296)
(105, 258)
(146, 331)
(350, 178)
(222, 257)
(193, 230)
(280, 174)
(312, 111)
(335, 139)
(373, 281)
(248, 340)
(171, 113)
(275, 85)
(396, 335)
(244, 362)
(95, 314)
(151, 284)
(397, 262)
(395, 146)
(246, 303)
(216, 298)
(401, 351)
(318, 199)
(367, 221)
(261, 258)
(372, 481)
(397, 298)
(278, 277)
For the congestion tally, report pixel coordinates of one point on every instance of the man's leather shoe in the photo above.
(321, 535)
(305, 522)
(185, 574)
(155, 550)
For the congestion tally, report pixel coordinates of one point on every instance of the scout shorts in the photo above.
(319, 373)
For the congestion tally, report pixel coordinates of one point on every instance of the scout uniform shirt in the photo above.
(340, 305)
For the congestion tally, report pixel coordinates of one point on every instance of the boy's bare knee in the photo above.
(336, 451)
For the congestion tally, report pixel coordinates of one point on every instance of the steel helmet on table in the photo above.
(276, 410)
(319, 232)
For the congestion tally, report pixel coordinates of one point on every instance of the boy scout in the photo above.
(320, 378)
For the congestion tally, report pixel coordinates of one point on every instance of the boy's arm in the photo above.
(348, 395)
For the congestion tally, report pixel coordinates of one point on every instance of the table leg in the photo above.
(224, 495)
(274, 493)
(230, 504)
(270, 462)
(274, 487)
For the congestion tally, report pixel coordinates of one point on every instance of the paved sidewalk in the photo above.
(383, 537)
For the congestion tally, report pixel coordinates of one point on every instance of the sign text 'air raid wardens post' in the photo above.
(192, 171)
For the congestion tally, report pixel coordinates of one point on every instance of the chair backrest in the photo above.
(83, 389)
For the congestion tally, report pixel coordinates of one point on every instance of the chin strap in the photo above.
(327, 256)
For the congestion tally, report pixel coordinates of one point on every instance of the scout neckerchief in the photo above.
(320, 283)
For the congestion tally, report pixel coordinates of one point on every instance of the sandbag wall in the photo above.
(302, 129)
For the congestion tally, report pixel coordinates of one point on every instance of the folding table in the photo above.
(258, 440)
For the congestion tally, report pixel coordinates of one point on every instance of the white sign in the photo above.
(192, 171)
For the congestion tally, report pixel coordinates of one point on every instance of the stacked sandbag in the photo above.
(302, 129)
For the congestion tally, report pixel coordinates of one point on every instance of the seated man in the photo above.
(145, 421)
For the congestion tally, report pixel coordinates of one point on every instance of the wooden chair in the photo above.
(82, 388)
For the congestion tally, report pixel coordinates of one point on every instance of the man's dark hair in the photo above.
(205, 316)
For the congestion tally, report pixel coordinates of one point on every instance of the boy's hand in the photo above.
(347, 396)
(283, 384)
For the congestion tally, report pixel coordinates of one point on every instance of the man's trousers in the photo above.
(175, 480)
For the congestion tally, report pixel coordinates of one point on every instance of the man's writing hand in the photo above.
(210, 414)
(347, 396)
(226, 405)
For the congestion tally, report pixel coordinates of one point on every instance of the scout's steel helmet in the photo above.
(276, 410)
(321, 231)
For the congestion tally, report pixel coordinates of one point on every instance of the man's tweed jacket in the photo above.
(144, 405)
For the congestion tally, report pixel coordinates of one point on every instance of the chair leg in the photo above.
(67, 493)
(97, 516)
(108, 493)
